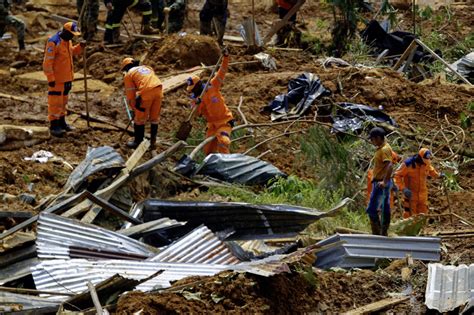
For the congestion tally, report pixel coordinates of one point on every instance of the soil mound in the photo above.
(185, 51)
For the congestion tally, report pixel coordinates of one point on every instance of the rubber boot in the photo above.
(64, 125)
(116, 36)
(375, 225)
(385, 226)
(108, 36)
(148, 29)
(153, 134)
(21, 45)
(139, 131)
(55, 128)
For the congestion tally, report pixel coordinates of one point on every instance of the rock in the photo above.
(27, 198)
(109, 78)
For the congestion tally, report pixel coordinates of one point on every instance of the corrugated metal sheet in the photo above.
(238, 168)
(15, 302)
(449, 287)
(71, 276)
(152, 226)
(249, 221)
(58, 237)
(361, 250)
(96, 160)
(200, 246)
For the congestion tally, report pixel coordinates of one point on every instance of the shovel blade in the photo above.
(184, 131)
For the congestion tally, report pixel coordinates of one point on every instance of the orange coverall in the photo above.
(413, 176)
(286, 4)
(142, 81)
(395, 160)
(58, 67)
(217, 115)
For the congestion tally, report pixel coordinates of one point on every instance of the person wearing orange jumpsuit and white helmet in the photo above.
(213, 108)
(411, 179)
(59, 70)
(144, 92)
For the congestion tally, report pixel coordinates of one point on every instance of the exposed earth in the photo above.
(418, 108)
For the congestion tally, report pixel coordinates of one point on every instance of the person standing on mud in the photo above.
(214, 10)
(411, 177)
(116, 11)
(177, 13)
(284, 6)
(59, 70)
(381, 183)
(212, 107)
(89, 18)
(144, 92)
(6, 19)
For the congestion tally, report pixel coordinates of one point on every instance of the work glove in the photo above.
(225, 51)
(132, 115)
(52, 83)
(174, 6)
(138, 103)
(167, 9)
(109, 6)
(407, 192)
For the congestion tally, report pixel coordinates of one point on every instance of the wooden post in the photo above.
(95, 298)
(405, 55)
(84, 55)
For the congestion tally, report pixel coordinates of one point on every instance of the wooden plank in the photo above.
(107, 192)
(95, 298)
(377, 306)
(281, 23)
(16, 98)
(405, 55)
(179, 80)
(40, 77)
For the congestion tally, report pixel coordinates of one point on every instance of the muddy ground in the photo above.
(418, 108)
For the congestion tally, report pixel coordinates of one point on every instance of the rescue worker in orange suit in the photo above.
(59, 70)
(213, 108)
(370, 174)
(411, 177)
(144, 92)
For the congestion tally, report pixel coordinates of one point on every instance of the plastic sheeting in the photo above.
(302, 92)
(396, 42)
(352, 117)
(239, 169)
(97, 159)
(465, 66)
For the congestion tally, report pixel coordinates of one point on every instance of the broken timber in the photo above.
(281, 23)
(377, 306)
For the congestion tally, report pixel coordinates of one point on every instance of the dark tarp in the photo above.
(302, 92)
(97, 159)
(248, 221)
(239, 168)
(396, 42)
(352, 117)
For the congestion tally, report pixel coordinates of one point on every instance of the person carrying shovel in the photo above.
(211, 105)
(144, 92)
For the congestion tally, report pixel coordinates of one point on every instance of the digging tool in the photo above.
(131, 21)
(130, 119)
(84, 57)
(167, 19)
(81, 14)
(186, 126)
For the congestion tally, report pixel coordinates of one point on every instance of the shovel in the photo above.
(186, 126)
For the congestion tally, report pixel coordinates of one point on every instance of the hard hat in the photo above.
(376, 132)
(126, 61)
(72, 27)
(425, 154)
(192, 81)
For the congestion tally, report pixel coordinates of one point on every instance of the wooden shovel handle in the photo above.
(191, 115)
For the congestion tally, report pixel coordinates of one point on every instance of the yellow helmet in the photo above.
(192, 81)
(126, 61)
